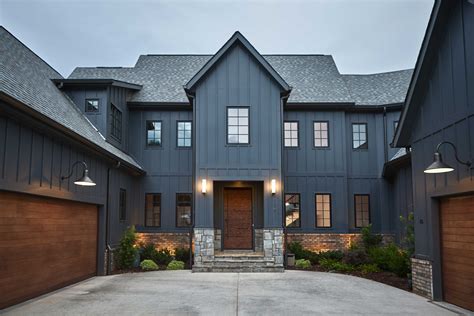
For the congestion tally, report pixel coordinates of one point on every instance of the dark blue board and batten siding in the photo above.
(339, 169)
(445, 113)
(238, 80)
(169, 167)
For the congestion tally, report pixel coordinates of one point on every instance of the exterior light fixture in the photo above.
(438, 166)
(274, 186)
(84, 180)
(204, 186)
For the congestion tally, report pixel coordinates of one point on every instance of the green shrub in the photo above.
(148, 265)
(175, 265)
(163, 257)
(356, 256)
(368, 268)
(369, 239)
(331, 254)
(303, 264)
(391, 258)
(300, 253)
(148, 252)
(182, 254)
(126, 251)
(335, 265)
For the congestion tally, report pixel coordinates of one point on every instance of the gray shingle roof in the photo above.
(314, 78)
(27, 78)
(379, 89)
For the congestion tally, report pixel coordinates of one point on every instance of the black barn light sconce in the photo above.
(84, 180)
(438, 166)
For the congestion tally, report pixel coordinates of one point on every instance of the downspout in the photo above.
(193, 184)
(108, 248)
(282, 188)
(385, 140)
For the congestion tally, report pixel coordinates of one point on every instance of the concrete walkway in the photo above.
(185, 293)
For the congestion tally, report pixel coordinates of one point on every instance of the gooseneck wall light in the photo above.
(82, 181)
(438, 166)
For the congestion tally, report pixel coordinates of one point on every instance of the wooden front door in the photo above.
(457, 250)
(237, 218)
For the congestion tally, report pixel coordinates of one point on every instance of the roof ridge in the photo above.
(379, 73)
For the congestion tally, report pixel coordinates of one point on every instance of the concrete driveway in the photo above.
(184, 293)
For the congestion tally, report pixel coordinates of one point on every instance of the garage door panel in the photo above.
(49, 243)
(457, 250)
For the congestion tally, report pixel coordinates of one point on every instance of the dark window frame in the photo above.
(86, 109)
(116, 122)
(299, 202)
(368, 209)
(191, 204)
(297, 134)
(148, 146)
(177, 134)
(314, 136)
(146, 211)
(227, 126)
(316, 210)
(366, 136)
(122, 205)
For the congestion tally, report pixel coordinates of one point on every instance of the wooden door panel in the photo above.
(237, 218)
(457, 249)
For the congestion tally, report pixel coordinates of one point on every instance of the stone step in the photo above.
(250, 269)
(253, 258)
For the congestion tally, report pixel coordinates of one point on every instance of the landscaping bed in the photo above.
(370, 259)
(130, 257)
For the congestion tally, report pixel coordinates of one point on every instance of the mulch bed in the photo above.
(388, 278)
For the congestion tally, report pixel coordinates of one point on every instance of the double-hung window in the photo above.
(359, 136)
(362, 210)
(183, 209)
(321, 134)
(115, 122)
(153, 133)
(323, 210)
(184, 133)
(290, 130)
(292, 210)
(153, 209)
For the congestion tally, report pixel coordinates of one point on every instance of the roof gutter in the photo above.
(51, 123)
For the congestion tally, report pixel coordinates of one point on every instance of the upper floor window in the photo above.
(153, 209)
(359, 136)
(292, 210)
(321, 134)
(362, 210)
(184, 133)
(123, 205)
(183, 209)
(92, 105)
(238, 125)
(291, 134)
(323, 210)
(153, 133)
(116, 122)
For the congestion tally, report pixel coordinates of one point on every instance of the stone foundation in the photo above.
(164, 240)
(422, 277)
(203, 249)
(324, 242)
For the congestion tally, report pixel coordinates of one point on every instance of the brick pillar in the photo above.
(422, 277)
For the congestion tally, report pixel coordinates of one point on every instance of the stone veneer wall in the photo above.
(217, 239)
(203, 249)
(165, 240)
(324, 242)
(258, 239)
(273, 245)
(422, 277)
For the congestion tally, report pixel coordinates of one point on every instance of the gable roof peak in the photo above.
(237, 36)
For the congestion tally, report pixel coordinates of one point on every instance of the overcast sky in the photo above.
(364, 36)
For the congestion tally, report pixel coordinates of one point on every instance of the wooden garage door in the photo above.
(457, 249)
(45, 244)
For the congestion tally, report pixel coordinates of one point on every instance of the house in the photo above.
(232, 153)
(437, 123)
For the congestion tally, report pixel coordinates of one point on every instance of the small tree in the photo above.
(126, 252)
(408, 240)
(369, 239)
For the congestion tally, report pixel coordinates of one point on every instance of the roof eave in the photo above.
(102, 81)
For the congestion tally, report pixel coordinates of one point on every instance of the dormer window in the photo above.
(115, 122)
(92, 105)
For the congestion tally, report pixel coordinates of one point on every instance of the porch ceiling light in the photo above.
(274, 186)
(204, 186)
(84, 180)
(438, 166)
